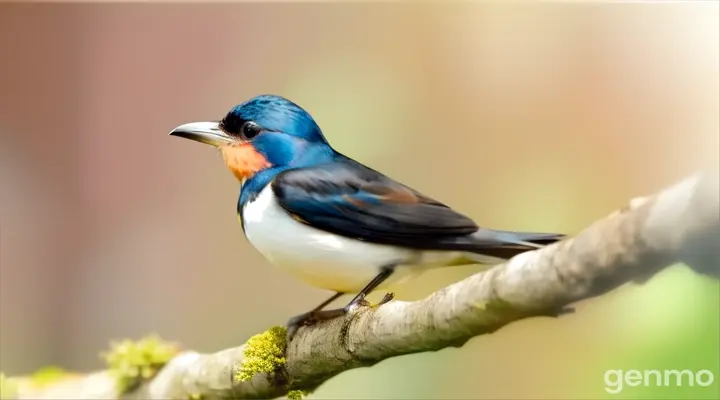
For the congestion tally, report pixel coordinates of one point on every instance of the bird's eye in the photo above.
(250, 130)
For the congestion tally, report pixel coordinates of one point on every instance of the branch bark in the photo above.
(679, 224)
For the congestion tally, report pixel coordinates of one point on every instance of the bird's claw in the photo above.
(362, 302)
(296, 322)
(313, 317)
(387, 298)
(359, 301)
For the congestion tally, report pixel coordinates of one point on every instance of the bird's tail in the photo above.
(506, 244)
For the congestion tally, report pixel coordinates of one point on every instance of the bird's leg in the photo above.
(305, 318)
(321, 315)
(385, 273)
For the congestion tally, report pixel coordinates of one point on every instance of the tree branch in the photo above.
(679, 224)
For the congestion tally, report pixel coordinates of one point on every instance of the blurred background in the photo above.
(525, 117)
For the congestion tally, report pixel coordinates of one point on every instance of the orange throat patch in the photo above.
(243, 160)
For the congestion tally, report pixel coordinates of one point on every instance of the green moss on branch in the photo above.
(297, 394)
(264, 353)
(130, 362)
(47, 375)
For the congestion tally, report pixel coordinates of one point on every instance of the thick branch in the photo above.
(679, 224)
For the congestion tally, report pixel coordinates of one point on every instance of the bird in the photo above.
(333, 222)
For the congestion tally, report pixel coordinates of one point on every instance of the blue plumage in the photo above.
(290, 139)
(275, 113)
(332, 192)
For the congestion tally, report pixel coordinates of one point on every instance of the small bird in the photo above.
(333, 222)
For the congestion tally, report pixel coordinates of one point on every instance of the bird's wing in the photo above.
(349, 199)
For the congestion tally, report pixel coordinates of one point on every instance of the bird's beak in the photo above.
(203, 132)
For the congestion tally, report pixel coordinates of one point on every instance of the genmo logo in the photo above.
(617, 379)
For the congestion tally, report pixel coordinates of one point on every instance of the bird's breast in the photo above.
(319, 258)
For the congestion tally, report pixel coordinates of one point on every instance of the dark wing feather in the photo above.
(349, 199)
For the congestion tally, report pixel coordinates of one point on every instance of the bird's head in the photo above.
(263, 132)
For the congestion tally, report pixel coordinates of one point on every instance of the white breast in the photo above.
(323, 259)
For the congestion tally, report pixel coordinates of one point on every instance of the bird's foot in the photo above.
(386, 299)
(358, 301)
(312, 317)
(362, 302)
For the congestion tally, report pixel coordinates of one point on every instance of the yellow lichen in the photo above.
(264, 353)
(481, 305)
(195, 396)
(47, 375)
(8, 387)
(297, 394)
(131, 362)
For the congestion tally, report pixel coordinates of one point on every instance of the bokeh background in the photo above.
(523, 116)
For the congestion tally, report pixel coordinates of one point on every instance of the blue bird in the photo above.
(333, 222)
